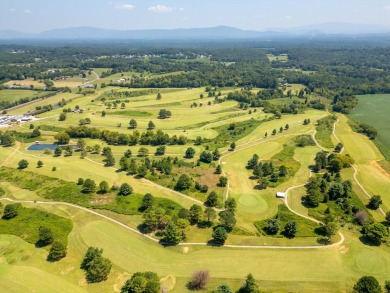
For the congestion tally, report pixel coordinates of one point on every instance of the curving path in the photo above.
(227, 153)
(354, 168)
(158, 241)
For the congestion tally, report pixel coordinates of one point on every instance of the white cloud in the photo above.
(387, 7)
(161, 9)
(181, 9)
(27, 11)
(12, 9)
(121, 6)
(289, 17)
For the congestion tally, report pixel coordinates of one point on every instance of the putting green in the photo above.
(370, 262)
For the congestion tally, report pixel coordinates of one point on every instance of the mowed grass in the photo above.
(374, 110)
(16, 94)
(365, 154)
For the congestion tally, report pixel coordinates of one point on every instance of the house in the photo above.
(280, 194)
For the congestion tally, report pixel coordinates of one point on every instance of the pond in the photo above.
(42, 146)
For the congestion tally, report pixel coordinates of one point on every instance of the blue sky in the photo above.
(40, 15)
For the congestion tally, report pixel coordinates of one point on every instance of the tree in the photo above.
(97, 268)
(125, 189)
(220, 235)
(172, 234)
(218, 170)
(387, 286)
(272, 226)
(375, 202)
(376, 232)
(159, 97)
(223, 289)
(39, 164)
(80, 181)
(287, 127)
(160, 151)
(206, 157)
(142, 282)
(227, 220)
(45, 236)
(62, 138)
(190, 153)
(151, 125)
(57, 251)
(216, 155)
(291, 228)
(7, 140)
(210, 214)
(231, 204)
(331, 228)
(199, 280)
(68, 151)
(223, 181)
(110, 160)
(10, 212)
(367, 284)
(143, 152)
(274, 132)
(164, 114)
(338, 147)
(103, 113)
(212, 199)
(233, 146)
(283, 172)
(133, 124)
(103, 187)
(142, 171)
(23, 164)
(195, 214)
(147, 202)
(183, 183)
(35, 133)
(62, 117)
(89, 186)
(250, 285)
(58, 152)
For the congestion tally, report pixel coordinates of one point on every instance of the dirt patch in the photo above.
(67, 270)
(120, 281)
(168, 283)
(343, 249)
(380, 169)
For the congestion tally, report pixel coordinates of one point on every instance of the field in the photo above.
(373, 110)
(280, 58)
(16, 95)
(111, 222)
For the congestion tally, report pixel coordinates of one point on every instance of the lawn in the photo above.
(16, 94)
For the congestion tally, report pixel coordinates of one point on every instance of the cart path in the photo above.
(158, 241)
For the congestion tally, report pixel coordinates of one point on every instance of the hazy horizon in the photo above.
(25, 16)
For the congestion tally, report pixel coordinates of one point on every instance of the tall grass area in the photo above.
(324, 131)
(60, 190)
(306, 228)
(26, 224)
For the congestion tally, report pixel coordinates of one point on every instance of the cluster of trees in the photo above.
(163, 114)
(142, 282)
(272, 227)
(148, 137)
(97, 267)
(369, 284)
(344, 103)
(266, 171)
(174, 227)
(366, 129)
(332, 162)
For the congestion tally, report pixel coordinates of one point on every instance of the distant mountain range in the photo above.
(219, 32)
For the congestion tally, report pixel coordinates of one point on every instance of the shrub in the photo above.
(199, 280)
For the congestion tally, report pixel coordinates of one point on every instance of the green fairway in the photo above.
(374, 110)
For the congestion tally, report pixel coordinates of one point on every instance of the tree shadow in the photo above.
(370, 242)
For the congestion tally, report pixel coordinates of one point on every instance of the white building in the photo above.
(280, 194)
